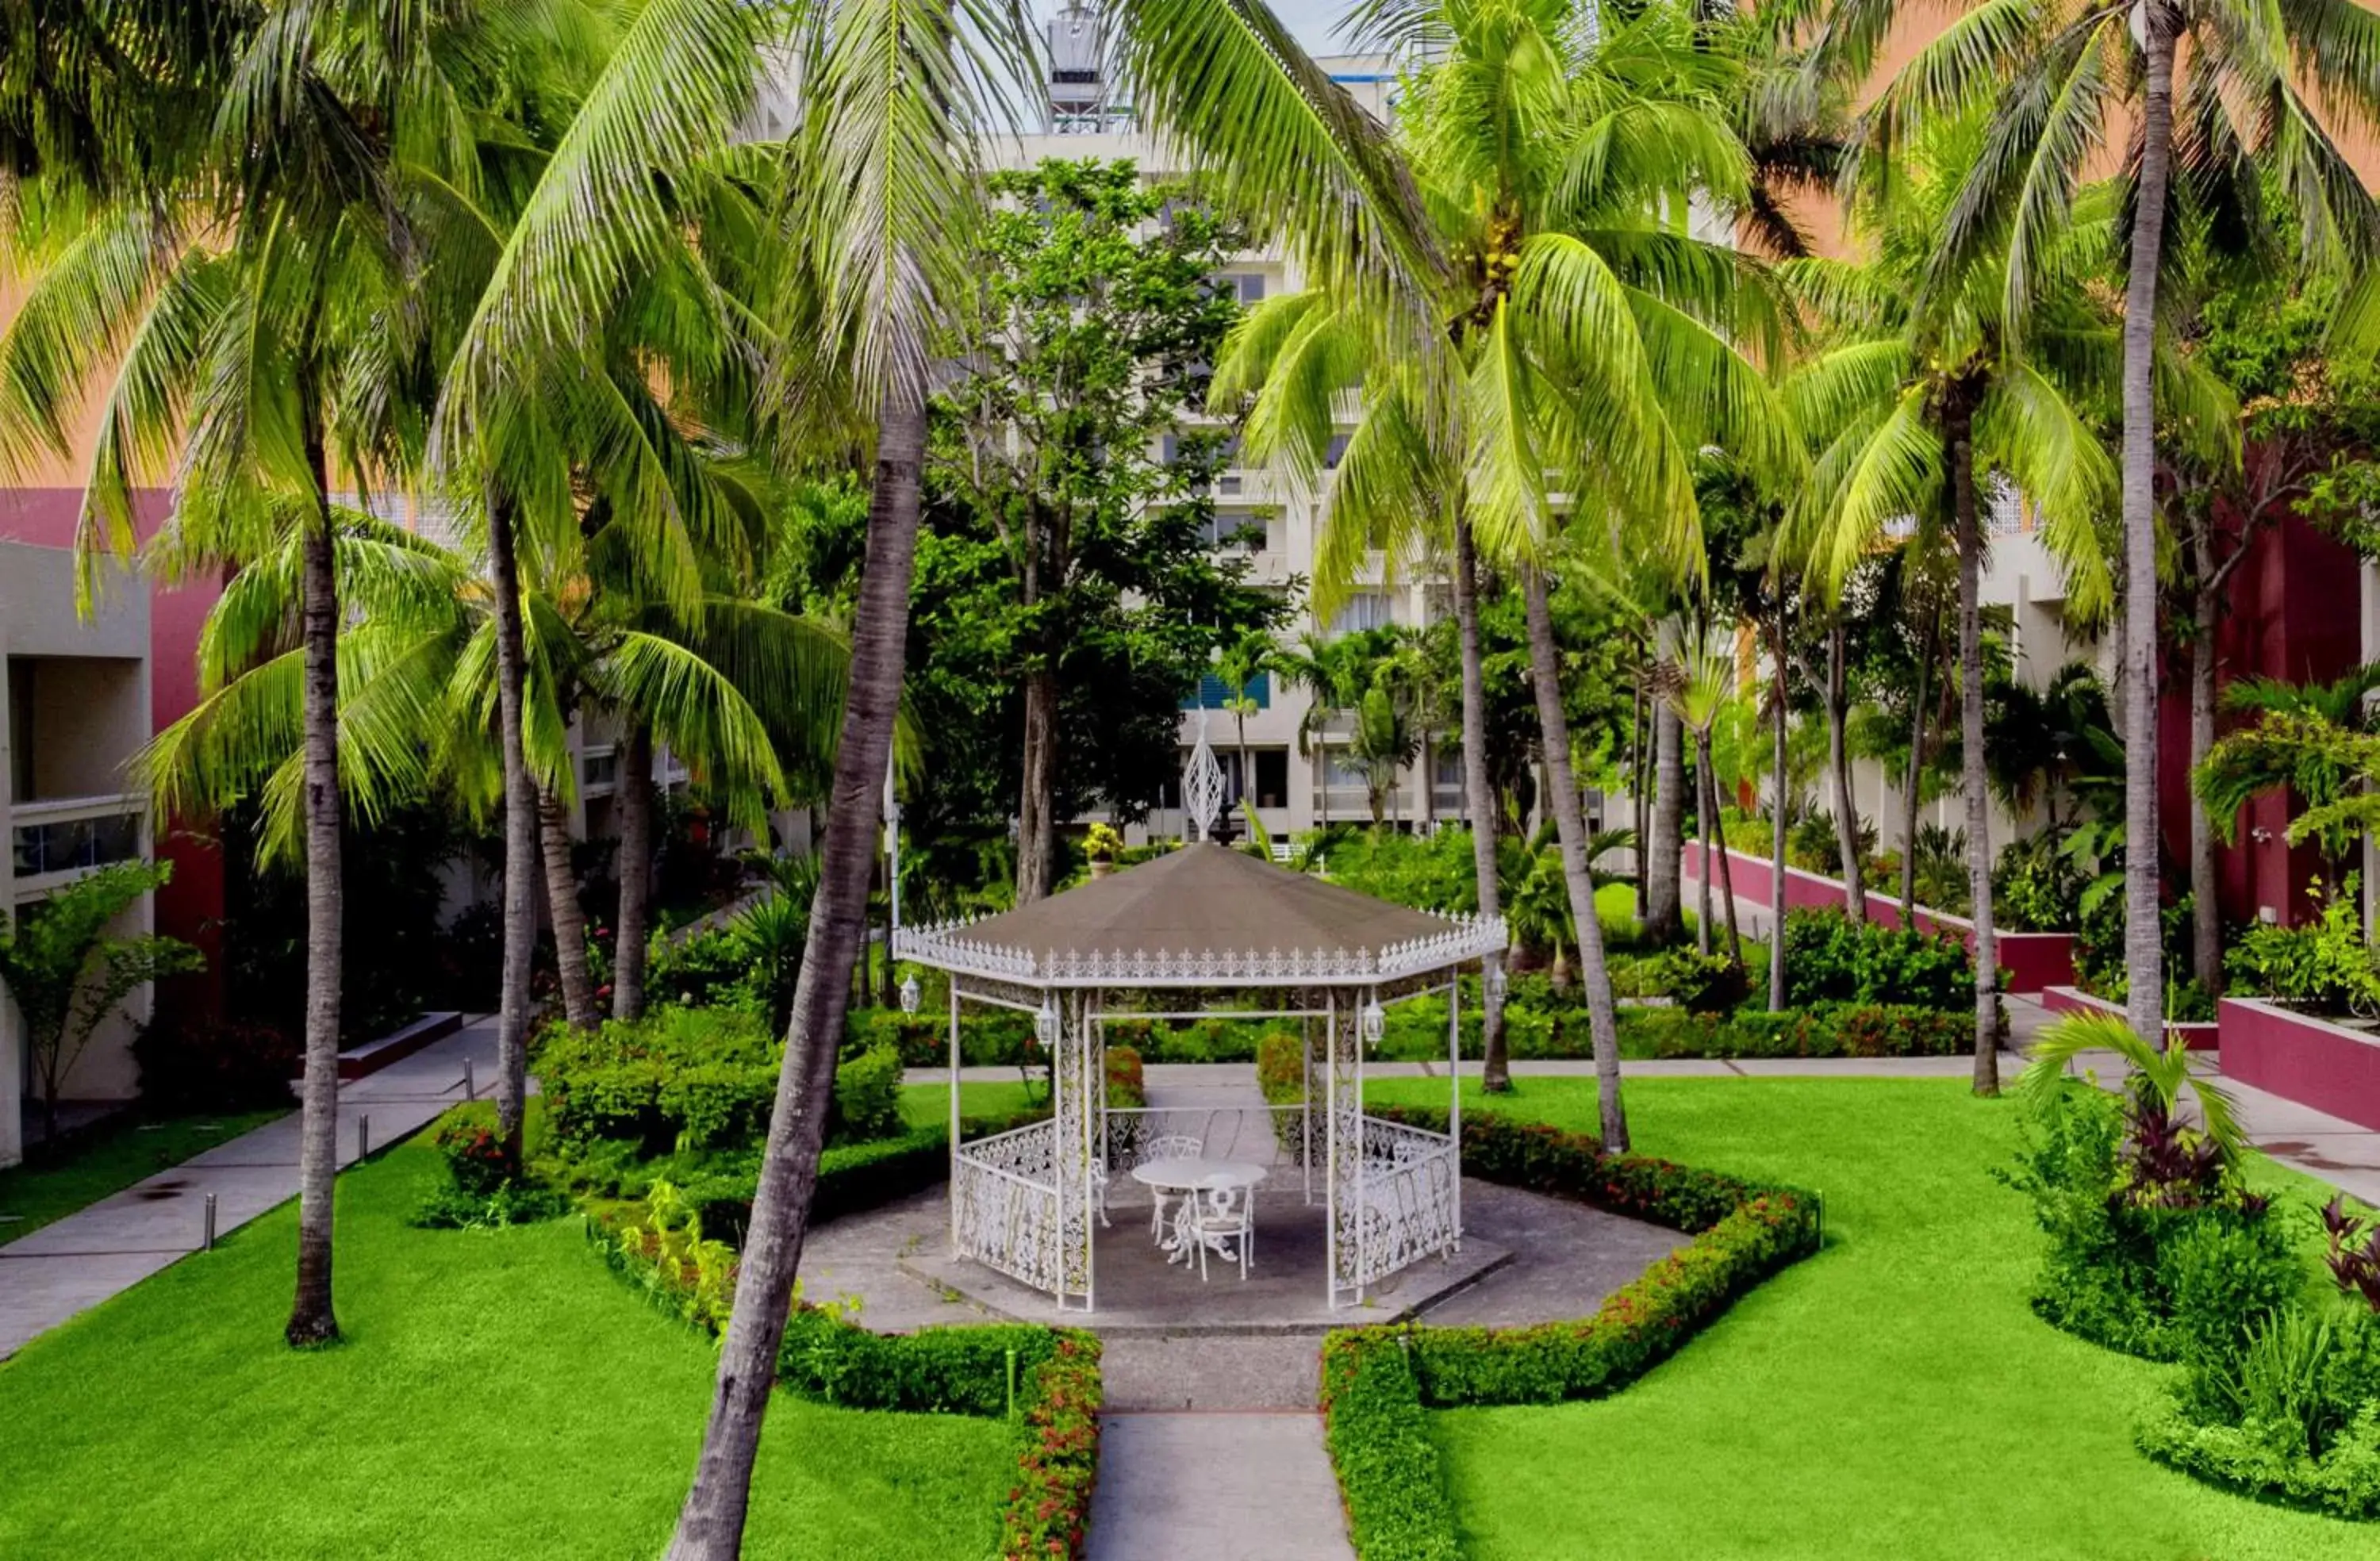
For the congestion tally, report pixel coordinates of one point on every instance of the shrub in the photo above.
(709, 969)
(867, 1097)
(2291, 1414)
(1702, 982)
(1830, 958)
(194, 1064)
(1127, 1081)
(1380, 1447)
(2036, 887)
(482, 1184)
(1828, 1030)
(2131, 1272)
(2323, 964)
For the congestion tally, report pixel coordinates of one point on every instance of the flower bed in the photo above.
(1045, 1380)
(1377, 1380)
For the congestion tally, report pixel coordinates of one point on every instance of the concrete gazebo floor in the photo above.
(1525, 1258)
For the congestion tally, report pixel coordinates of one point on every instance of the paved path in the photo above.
(75, 1263)
(1207, 1488)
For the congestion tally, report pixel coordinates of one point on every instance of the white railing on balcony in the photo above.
(57, 837)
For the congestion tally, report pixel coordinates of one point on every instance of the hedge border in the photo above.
(955, 1370)
(1377, 1381)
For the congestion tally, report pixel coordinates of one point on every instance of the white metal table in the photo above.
(1186, 1176)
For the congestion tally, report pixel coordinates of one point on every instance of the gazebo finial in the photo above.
(1202, 787)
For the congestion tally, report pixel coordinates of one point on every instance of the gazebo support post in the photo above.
(1454, 1093)
(1330, 1149)
(1306, 1103)
(954, 1115)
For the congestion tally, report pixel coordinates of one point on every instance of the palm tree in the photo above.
(1698, 690)
(244, 329)
(1929, 386)
(2157, 1076)
(882, 193)
(2237, 97)
(1238, 666)
(1589, 346)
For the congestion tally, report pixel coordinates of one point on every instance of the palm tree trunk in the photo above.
(1838, 762)
(312, 1319)
(2143, 951)
(579, 1005)
(1664, 897)
(1918, 710)
(1776, 827)
(2206, 909)
(1971, 756)
(521, 846)
(1478, 800)
(1570, 826)
(633, 793)
(711, 1526)
(1037, 836)
(1639, 789)
(1704, 812)
(1716, 830)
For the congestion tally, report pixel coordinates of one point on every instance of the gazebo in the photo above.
(1202, 920)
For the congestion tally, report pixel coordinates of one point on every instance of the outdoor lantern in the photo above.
(1045, 1026)
(1376, 1021)
(1495, 981)
(910, 994)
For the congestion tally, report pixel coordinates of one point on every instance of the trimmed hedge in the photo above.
(1377, 1380)
(1055, 1374)
(855, 1177)
(1828, 1030)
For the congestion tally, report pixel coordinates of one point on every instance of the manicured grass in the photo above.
(1893, 1397)
(499, 1395)
(928, 1106)
(111, 1158)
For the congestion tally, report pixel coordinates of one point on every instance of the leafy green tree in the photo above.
(1097, 316)
(69, 975)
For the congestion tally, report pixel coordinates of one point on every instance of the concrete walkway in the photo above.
(1201, 1487)
(69, 1266)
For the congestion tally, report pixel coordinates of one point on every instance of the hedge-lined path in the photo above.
(1202, 1487)
(73, 1265)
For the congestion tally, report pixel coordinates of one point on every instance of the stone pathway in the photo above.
(75, 1263)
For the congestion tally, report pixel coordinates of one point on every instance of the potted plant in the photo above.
(1102, 845)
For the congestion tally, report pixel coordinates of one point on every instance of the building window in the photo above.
(1238, 529)
(1336, 452)
(1247, 286)
(1272, 767)
(1214, 694)
(1364, 610)
(599, 770)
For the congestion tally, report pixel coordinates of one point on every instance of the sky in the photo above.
(1313, 21)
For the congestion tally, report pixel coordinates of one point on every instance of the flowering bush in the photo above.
(484, 1182)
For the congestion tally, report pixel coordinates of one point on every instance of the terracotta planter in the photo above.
(1101, 869)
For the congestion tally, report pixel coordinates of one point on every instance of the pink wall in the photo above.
(191, 907)
(2303, 1058)
(2197, 1036)
(2033, 959)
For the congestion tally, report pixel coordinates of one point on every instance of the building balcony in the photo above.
(54, 842)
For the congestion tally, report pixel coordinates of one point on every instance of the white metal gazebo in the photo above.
(1198, 922)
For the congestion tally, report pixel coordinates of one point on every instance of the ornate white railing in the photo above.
(1408, 1202)
(946, 947)
(1004, 1205)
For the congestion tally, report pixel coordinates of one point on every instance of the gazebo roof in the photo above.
(1204, 916)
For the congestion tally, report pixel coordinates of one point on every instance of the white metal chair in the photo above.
(1169, 1146)
(1224, 1212)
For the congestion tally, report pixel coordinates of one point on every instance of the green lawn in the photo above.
(112, 1158)
(1891, 1397)
(500, 1393)
(928, 1106)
